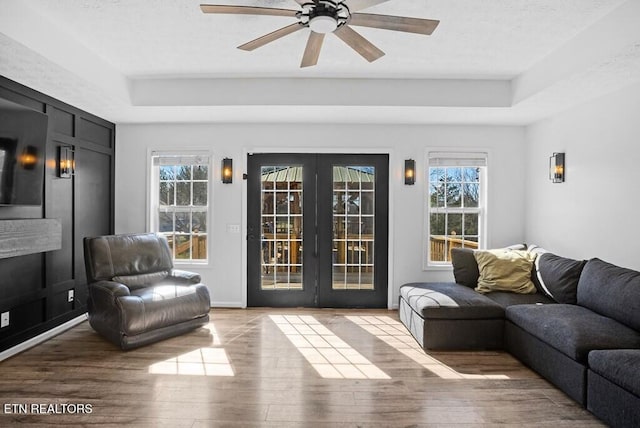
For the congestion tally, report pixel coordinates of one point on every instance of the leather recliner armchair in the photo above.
(136, 297)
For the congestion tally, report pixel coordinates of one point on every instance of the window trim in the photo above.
(153, 206)
(479, 158)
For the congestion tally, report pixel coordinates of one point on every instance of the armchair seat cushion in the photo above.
(161, 306)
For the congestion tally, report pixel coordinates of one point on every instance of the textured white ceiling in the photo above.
(477, 38)
(107, 48)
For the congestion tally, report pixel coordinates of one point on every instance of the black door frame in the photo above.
(316, 190)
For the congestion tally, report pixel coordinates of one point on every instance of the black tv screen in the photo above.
(23, 134)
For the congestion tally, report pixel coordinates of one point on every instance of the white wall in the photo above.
(595, 213)
(224, 275)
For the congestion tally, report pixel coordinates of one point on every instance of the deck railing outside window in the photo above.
(441, 246)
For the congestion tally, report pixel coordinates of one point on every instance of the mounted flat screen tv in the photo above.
(23, 134)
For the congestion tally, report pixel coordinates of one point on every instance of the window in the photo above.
(456, 203)
(179, 204)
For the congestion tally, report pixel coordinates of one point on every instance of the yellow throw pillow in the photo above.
(505, 270)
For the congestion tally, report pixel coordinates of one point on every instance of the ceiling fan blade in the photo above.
(395, 23)
(312, 51)
(356, 5)
(267, 38)
(247, 10)
(361, 45)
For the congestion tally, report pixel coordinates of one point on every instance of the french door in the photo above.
(317, 230)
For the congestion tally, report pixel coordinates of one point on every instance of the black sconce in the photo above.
(66, 162)
(227, 170)
(409, 172)
(556, 168)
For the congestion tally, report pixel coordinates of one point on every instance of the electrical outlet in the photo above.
(233, 228)
(70, 296)
(4, 319)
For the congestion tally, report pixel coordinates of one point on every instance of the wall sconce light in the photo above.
(556, 168)
(227, 170)
(66, 162)
(409, 172)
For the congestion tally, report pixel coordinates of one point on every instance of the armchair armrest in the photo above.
(110, 288)
(104, 310)
(185, 276)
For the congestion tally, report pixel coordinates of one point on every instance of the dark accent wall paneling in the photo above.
(34, 288)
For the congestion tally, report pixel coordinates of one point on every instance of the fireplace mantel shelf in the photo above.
(29, 236)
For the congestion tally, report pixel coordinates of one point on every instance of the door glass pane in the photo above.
(281, 237)
(353, 227)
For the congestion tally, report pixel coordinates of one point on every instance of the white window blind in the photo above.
(160, 159)
(461, 159)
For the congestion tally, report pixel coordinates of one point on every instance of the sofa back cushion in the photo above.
(557, 277)
(612, 291)
(112, 256)
(465, 267)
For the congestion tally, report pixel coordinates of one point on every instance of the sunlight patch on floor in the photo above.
(394, 334)
(216, 339)
(201, 362)
(329, 355)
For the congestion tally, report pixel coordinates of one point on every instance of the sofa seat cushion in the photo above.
(161, 306)
(620, 366)
(447, 300)
(507, 298)
(572, 330)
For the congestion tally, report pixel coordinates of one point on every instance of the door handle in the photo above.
(315, 250)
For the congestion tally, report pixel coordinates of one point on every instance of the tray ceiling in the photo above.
(159, 60)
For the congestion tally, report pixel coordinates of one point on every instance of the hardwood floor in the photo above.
(278, 368)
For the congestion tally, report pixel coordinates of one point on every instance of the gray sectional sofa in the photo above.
(580, 329)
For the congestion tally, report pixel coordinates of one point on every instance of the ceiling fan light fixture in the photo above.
(323, 24)
(329, 16)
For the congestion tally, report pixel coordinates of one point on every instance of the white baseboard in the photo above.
(227, 305)
(41, 338)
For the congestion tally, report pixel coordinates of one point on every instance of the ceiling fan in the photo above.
(329, 16)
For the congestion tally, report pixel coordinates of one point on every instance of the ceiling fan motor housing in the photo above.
(324, 16)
